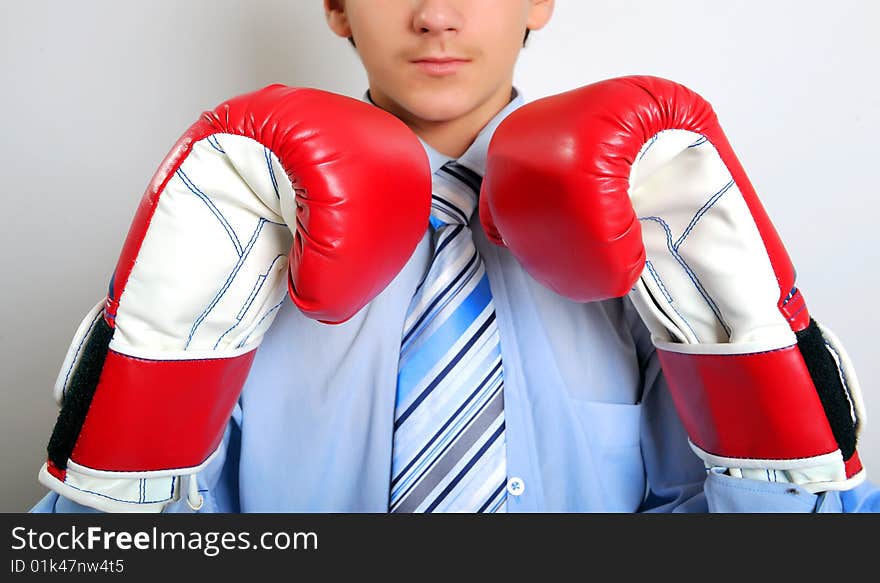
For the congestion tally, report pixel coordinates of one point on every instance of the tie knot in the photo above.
(455, 191)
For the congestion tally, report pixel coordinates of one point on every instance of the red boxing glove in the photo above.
(548, 196)
(763, 390)
(283, 190)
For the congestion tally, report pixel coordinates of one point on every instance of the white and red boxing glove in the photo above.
(631, 183)
(284, 190)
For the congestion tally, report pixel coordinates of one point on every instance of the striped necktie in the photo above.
(449, 446)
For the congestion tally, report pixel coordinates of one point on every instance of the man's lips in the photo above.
(440, 67)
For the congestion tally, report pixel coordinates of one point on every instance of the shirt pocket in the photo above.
(613, 435)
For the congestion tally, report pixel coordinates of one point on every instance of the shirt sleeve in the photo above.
(677, 479)
(218, 482)
(53, 503)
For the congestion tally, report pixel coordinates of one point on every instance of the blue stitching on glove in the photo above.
(228, 282)
(170, 495)
(229, 230)
(212, 141)
(688, 270)
(650, 145)
(266, 315)
(669, 297)
(242, 253)
(702, 140)
(258, 285)
(659, 282)
(705, 208)
(267, 153)
(673, 247)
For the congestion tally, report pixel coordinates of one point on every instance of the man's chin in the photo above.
(438, 106)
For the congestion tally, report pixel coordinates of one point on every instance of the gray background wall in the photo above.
(94, 93)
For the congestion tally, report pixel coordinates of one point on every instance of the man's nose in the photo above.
(436, 17)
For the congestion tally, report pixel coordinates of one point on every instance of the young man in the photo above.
(573, 408)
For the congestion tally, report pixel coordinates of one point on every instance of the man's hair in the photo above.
(351, 39)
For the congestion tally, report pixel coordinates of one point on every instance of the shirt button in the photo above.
(515, 486)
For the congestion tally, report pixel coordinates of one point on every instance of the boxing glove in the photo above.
(630, 187)
(281, 191)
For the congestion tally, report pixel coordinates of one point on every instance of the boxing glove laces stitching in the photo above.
(258, 285)
(663, 289)
(213, 208)
(268, 154)
(228, 283)
(691, 275)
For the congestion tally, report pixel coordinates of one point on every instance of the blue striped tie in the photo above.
(449, 446)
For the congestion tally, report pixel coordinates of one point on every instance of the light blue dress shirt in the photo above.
(590, 425)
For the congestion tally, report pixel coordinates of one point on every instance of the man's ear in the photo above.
(540, 13)
(337, 19)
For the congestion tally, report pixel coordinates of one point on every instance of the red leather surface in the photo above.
(557, 183)
(556, 188)
(794, 308)
(363, 194)
(363, 186)
(759, 406)
(853, 465)
(152, 415)
(56, 471)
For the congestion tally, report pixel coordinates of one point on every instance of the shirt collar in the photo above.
(475, 156)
